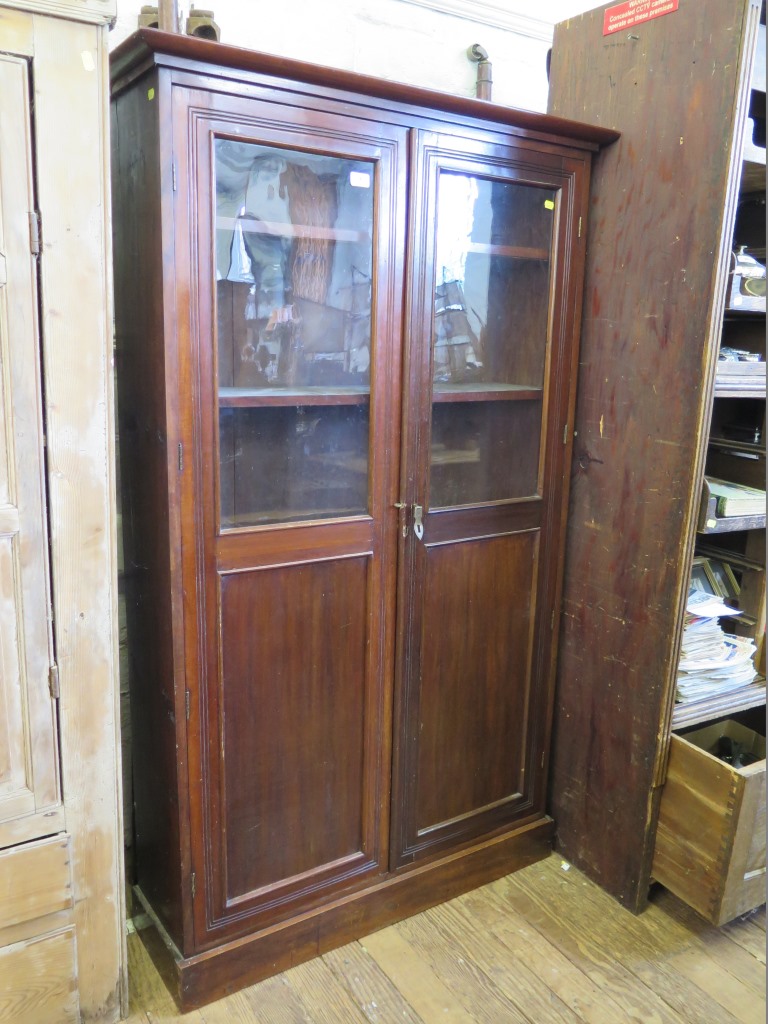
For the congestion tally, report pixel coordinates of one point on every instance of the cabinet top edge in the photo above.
(148, 47)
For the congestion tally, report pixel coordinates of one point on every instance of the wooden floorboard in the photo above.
(541, 946)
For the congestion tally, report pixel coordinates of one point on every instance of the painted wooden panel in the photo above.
(97, 11)
(28, 741)
(35, 881)
(38, 981)
(71, 138)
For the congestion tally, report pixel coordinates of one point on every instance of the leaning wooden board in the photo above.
(658, 243)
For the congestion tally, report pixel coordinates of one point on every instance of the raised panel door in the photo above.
(29, 785)
(290, 501)
(488, 383)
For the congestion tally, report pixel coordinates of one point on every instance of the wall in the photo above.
(422, 42)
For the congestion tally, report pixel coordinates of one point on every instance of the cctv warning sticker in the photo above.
(635, 12)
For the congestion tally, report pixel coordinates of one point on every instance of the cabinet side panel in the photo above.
(660, 221)
(148, 578)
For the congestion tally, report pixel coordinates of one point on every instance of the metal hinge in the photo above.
(186, 703)
(173, 174)
(579, 226)
(193, 884)
(565, 434)
(34, 233)
(53, 681)
(181, 458)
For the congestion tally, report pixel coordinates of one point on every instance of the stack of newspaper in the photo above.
(711, 661)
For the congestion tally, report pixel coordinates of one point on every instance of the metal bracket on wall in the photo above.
(165, 16)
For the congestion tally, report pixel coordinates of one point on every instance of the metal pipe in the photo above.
(168, 16)
(478, 55)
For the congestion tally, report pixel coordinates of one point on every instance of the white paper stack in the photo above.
(711, 660)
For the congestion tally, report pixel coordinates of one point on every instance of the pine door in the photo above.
(489, 381)
(29, 786)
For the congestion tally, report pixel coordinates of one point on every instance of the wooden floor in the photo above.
(542, 946)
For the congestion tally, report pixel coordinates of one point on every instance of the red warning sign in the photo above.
(635, 12)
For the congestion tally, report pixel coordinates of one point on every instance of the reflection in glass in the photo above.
(489, 338)
(294, 258)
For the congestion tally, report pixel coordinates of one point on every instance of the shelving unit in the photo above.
(738, 407)
(649, 398)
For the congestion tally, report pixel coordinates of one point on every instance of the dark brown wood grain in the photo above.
(146, 45)
(469, 727)
(211, 975)
(660, 225)
(147, 513)
(293, 644)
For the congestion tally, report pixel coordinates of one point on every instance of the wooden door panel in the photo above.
(293, 700)
(475, 677)
(28, 746)
(290, 507)
(488, 377)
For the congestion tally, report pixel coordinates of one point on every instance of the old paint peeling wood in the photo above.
(70, 104)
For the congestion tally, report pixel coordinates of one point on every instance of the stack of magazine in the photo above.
(711, 661)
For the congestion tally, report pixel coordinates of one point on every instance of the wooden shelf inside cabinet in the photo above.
(282, 230)
(732, 389)
(729, 445)
(742, 699)
(516, 252)
(248, 398)
(478, 392)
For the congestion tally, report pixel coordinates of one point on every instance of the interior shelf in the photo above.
(244, 398)
(741, 447)
(519, 252)
(732, 389)
(282, 230)
(695, 712)
(481, 392)
(354, 394)
(729, 524)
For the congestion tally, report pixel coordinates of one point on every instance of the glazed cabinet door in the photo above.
(489, 384)
(29, 783)
(292, 359)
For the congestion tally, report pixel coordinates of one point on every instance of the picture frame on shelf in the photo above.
(702, 577)
(726, 582)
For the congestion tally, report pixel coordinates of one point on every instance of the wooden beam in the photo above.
(71, 110)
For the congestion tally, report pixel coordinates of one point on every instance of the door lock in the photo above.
(418, 521)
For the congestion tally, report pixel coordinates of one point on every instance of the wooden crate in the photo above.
(710, 844)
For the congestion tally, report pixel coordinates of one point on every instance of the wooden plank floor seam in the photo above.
(541, 946)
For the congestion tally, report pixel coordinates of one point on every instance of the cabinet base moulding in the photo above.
(217, 972)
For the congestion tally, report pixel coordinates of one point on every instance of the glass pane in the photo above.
(490, 333)
(484, 450)
(294, 256)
